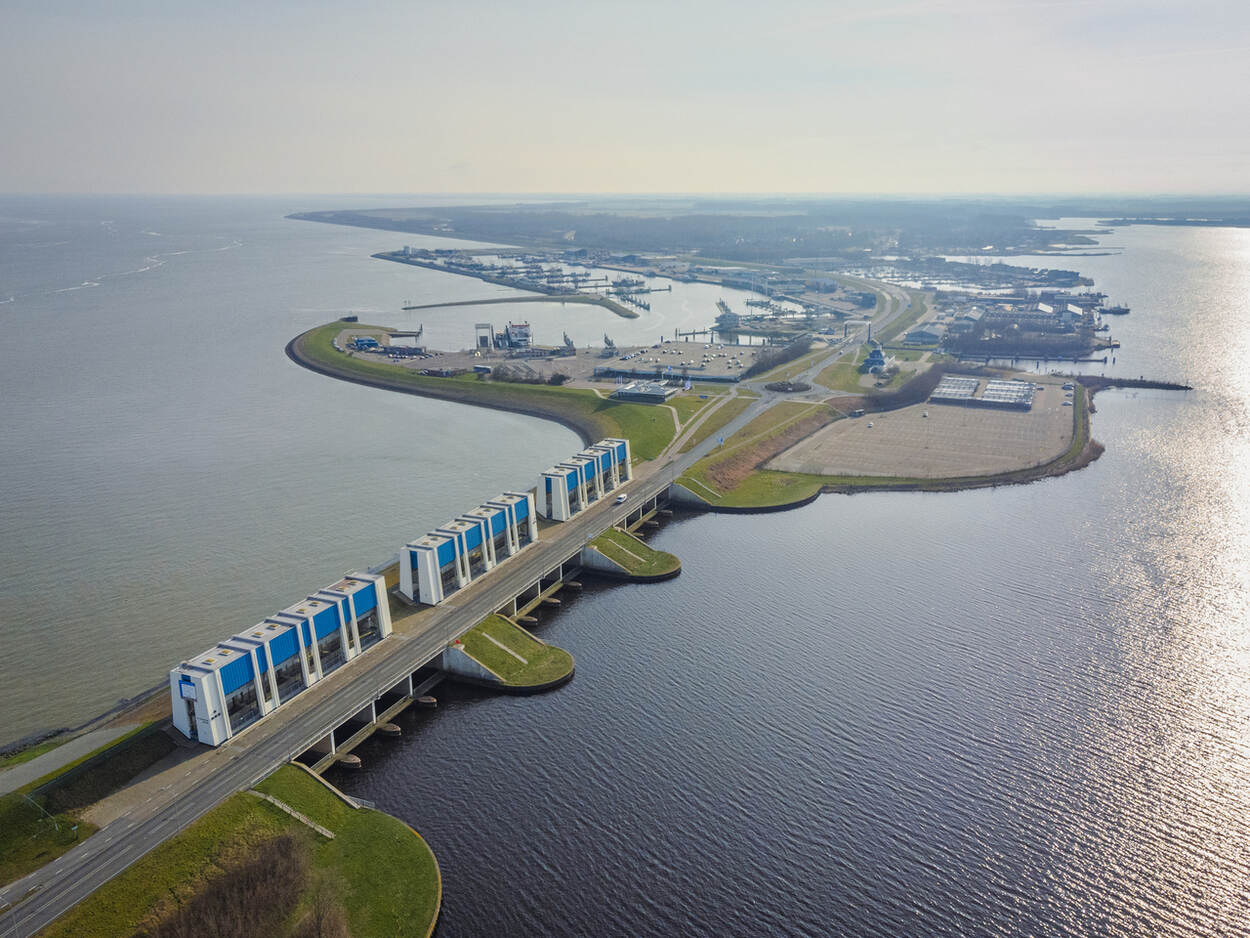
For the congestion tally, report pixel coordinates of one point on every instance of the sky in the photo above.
(892, 96)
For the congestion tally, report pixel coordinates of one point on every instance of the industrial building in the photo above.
(955, 389)
(452, 556)
(961, 389)
(644, 392)
(1008, 394)
(573, 485)
(248, 676)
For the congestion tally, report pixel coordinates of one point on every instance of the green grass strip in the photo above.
(542, 663)
(649, 429)
(632, 554)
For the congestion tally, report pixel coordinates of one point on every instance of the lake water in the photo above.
(1011, 711)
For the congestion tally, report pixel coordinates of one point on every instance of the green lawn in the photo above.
(387, 876)
(915, 312)
(687, 405)
(844, 374)
(718, 419)
(649, 429)
(788, 370)
(632, 554)
(543, 663)
(764, 488)
(29, 838)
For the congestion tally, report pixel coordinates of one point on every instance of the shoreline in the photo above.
(296, 353)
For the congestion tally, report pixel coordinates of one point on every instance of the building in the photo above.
(452, 556)
(929, 333)
(955, 389)
(243, 679)
(574, 485)
(644, 392)
(876, 360)
(1017, 394)
(365, 343)
(962, 389)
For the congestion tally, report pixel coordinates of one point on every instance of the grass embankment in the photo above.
(648, 429)
(634, 556)
(731, 477)
(38, 821)
(687, 407)
(718, 419)
(785, 372)
(919, 306)
(523, 661)
(31, 752)
(381, 875)
(844, 374)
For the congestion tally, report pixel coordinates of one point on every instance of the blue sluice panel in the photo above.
(326, 621)
(472, 538)
(446, 553)
(365, 600)
(284, 647)
(522, 509)
(237, 673)
(571, 478)
(498, 521)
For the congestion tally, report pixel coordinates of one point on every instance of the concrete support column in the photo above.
(316, 652)
(221, 703)
(261, 704)
(303, 657)
(325, 745)
(348, 651)
(351, 607)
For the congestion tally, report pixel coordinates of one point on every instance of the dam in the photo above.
(241, 681)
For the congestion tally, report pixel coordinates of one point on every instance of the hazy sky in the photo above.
(466, 96)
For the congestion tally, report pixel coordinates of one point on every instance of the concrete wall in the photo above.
(591, 559)
(455, 660)
(678, 494)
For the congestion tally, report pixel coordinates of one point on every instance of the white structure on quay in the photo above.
(451, 557)
(248, 676)
(575, 484)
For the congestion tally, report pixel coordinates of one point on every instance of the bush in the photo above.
(251, 899)
(773, 356)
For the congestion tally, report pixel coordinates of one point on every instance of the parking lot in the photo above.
(952, 441)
